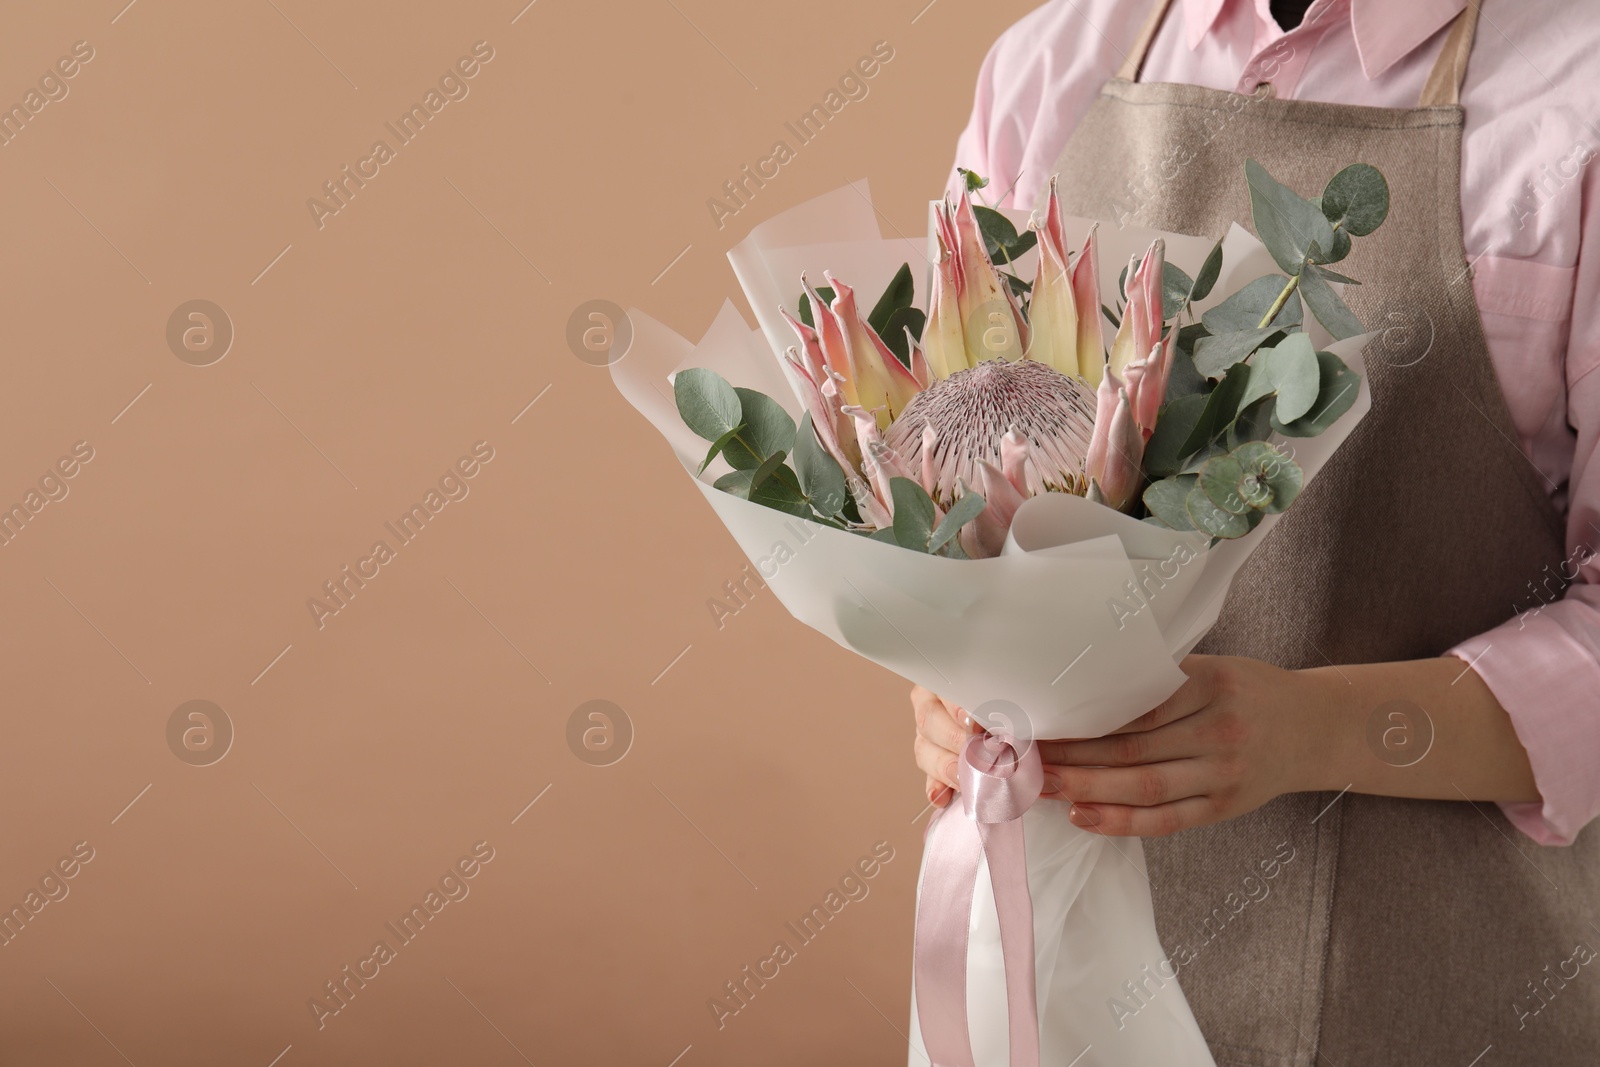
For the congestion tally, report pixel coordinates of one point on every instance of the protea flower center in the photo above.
(972, 409)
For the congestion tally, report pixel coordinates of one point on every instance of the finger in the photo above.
(939, 722)
(1191, 696)
(1118, 821)
(1144, 786)
(1174, 741)
(939, 794)
(935, 762)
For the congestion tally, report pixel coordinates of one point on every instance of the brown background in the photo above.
(425, 716)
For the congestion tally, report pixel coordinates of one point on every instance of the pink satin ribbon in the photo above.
(997, 784)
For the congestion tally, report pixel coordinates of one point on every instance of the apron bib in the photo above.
(1398, 931)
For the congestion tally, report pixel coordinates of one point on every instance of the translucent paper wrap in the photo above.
(1075, 629)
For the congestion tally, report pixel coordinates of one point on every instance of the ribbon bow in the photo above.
(999, 779)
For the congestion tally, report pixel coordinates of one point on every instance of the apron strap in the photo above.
(1131, 62)
(1450, 69)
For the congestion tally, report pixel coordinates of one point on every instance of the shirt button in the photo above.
(1265, 90)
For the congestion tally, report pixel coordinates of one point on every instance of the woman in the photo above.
(1419, 639)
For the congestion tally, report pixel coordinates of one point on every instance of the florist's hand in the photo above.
(942, 732)
(1236, 734)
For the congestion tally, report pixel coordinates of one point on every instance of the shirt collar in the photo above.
(1385, 31)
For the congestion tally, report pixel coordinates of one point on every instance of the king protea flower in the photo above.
(991, 401)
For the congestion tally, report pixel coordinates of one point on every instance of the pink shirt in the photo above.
(1529, 202)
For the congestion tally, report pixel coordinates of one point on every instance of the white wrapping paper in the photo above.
(1075, 629)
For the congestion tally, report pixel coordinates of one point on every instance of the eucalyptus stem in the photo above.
(1277, 305)
(1294, 283)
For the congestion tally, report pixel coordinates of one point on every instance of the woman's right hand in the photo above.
(942, 732)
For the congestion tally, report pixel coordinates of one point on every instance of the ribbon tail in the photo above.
(1005, 849)
(944, 913)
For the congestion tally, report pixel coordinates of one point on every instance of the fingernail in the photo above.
(1083, 815)
(950, 772)
(1052, 786)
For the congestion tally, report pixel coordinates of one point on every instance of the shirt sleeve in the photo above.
(1544, 665)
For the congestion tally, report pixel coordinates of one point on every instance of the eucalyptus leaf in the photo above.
(1335, 276)
(1326, 305)
(1337, 390)
(1285, 479)
(1189, 334)
(913, 514)
(1209, 518)
(999, 235)
(1196, 460)
(706, 402)
(768, 428)
(1176, 422)
(735, 483)
(894, 332)
(898, 295)
(1213, 355)
(781, 493)
(963, 511)
(1297, 376)
(1243, 310)
(1165, 499)
(1175, 289)
(1210, 270)
(1222, 404)
(1253, 423)
(1219, 480)
(825, 293)
(1357, 199)
(1286, 222)
(885, 534)
(1183, 379)
(821, 480)
(1341, 248)
(717, 446)
(759, 476)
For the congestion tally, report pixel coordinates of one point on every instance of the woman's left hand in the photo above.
(1236, 734)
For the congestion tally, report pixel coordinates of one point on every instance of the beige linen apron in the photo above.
(1398, 931)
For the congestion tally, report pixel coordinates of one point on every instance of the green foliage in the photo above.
(1356, 199)
(1289, 225)
(1000, 238)
(706, 402)
(963, 511)
(894, 333)
(914, 514)
(1246, 371)
(898, 295)
(1175, 289)
(825, 294)
(1326, 305)
(767, 428)
(1210, 270)
(1229, 494)
(756, 436)
(820, 478)
(1305, 235)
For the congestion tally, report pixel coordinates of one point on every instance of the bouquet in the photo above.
(1031, 499)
